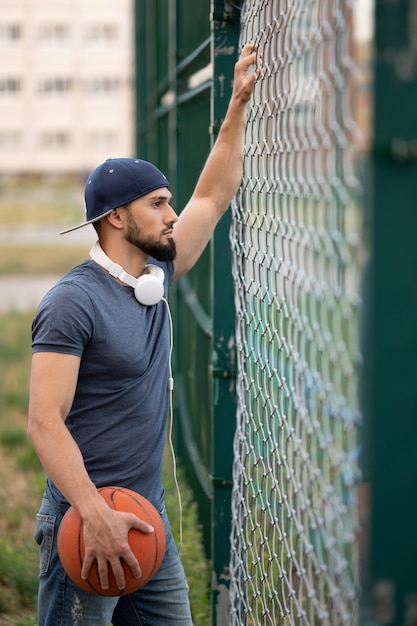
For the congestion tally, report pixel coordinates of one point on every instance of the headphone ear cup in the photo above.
(150, 286)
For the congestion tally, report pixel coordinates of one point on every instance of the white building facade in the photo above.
(66, 84)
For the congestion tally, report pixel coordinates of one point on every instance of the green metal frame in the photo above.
(225, 37)
(391, 330)
(179, 113)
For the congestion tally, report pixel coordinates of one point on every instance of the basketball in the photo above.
(149, 549)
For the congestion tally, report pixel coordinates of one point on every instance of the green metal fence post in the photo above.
(393, 356)
(225, 35)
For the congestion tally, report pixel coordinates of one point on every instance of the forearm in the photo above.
(62, 460)
(223, 170)
(221, 174)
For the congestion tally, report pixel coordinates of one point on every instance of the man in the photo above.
(100, 378)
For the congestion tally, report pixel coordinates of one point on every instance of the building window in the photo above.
(55, 139)
(10, 139)
(102, 85)
(10, 32)
(10, 85)
(102, 139)
(55, 85)
(96, 33)
(53, 32)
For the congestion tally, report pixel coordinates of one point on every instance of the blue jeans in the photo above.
(163, 601)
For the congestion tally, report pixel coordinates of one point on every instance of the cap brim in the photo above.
(96, 219)
(68, 230)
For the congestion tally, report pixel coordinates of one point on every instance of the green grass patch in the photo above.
(34, 202)
(18, 571)
(17, 399)
(35, 260)
(13, 437)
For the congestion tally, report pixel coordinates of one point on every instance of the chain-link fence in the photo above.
(297, 257)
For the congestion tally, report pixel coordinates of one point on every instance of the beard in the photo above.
(163, 252)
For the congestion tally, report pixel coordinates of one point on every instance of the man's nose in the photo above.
(171, 217)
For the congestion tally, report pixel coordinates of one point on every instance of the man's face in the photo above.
(156, 218)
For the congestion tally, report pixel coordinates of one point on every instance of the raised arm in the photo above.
(222, 172)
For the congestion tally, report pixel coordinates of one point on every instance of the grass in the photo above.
(21, 475)
(33, 260)
(31, 203)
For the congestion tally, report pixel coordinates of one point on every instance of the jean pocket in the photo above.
(44, 537)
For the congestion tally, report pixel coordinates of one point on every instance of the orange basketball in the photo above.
(149, 549)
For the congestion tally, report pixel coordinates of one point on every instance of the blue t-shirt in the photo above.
(118, 417)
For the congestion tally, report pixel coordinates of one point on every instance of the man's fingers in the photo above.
(103, 575)
(140, 524)
(85, 570)
(116, 565)
(251, 54)
(249, 48)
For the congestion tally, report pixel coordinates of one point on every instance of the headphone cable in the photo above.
(171, 422)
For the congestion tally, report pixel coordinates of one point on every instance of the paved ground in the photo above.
(21, 294)
(47, 235)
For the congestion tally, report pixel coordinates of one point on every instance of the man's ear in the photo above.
(115, 218)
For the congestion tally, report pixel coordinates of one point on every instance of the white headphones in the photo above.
(148, 288)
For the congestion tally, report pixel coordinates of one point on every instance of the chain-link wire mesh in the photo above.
(296, 264)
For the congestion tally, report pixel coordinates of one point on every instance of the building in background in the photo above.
(66, 84)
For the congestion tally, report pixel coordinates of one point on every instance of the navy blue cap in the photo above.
(117, 182)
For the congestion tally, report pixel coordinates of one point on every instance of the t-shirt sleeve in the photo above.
(64, 322)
